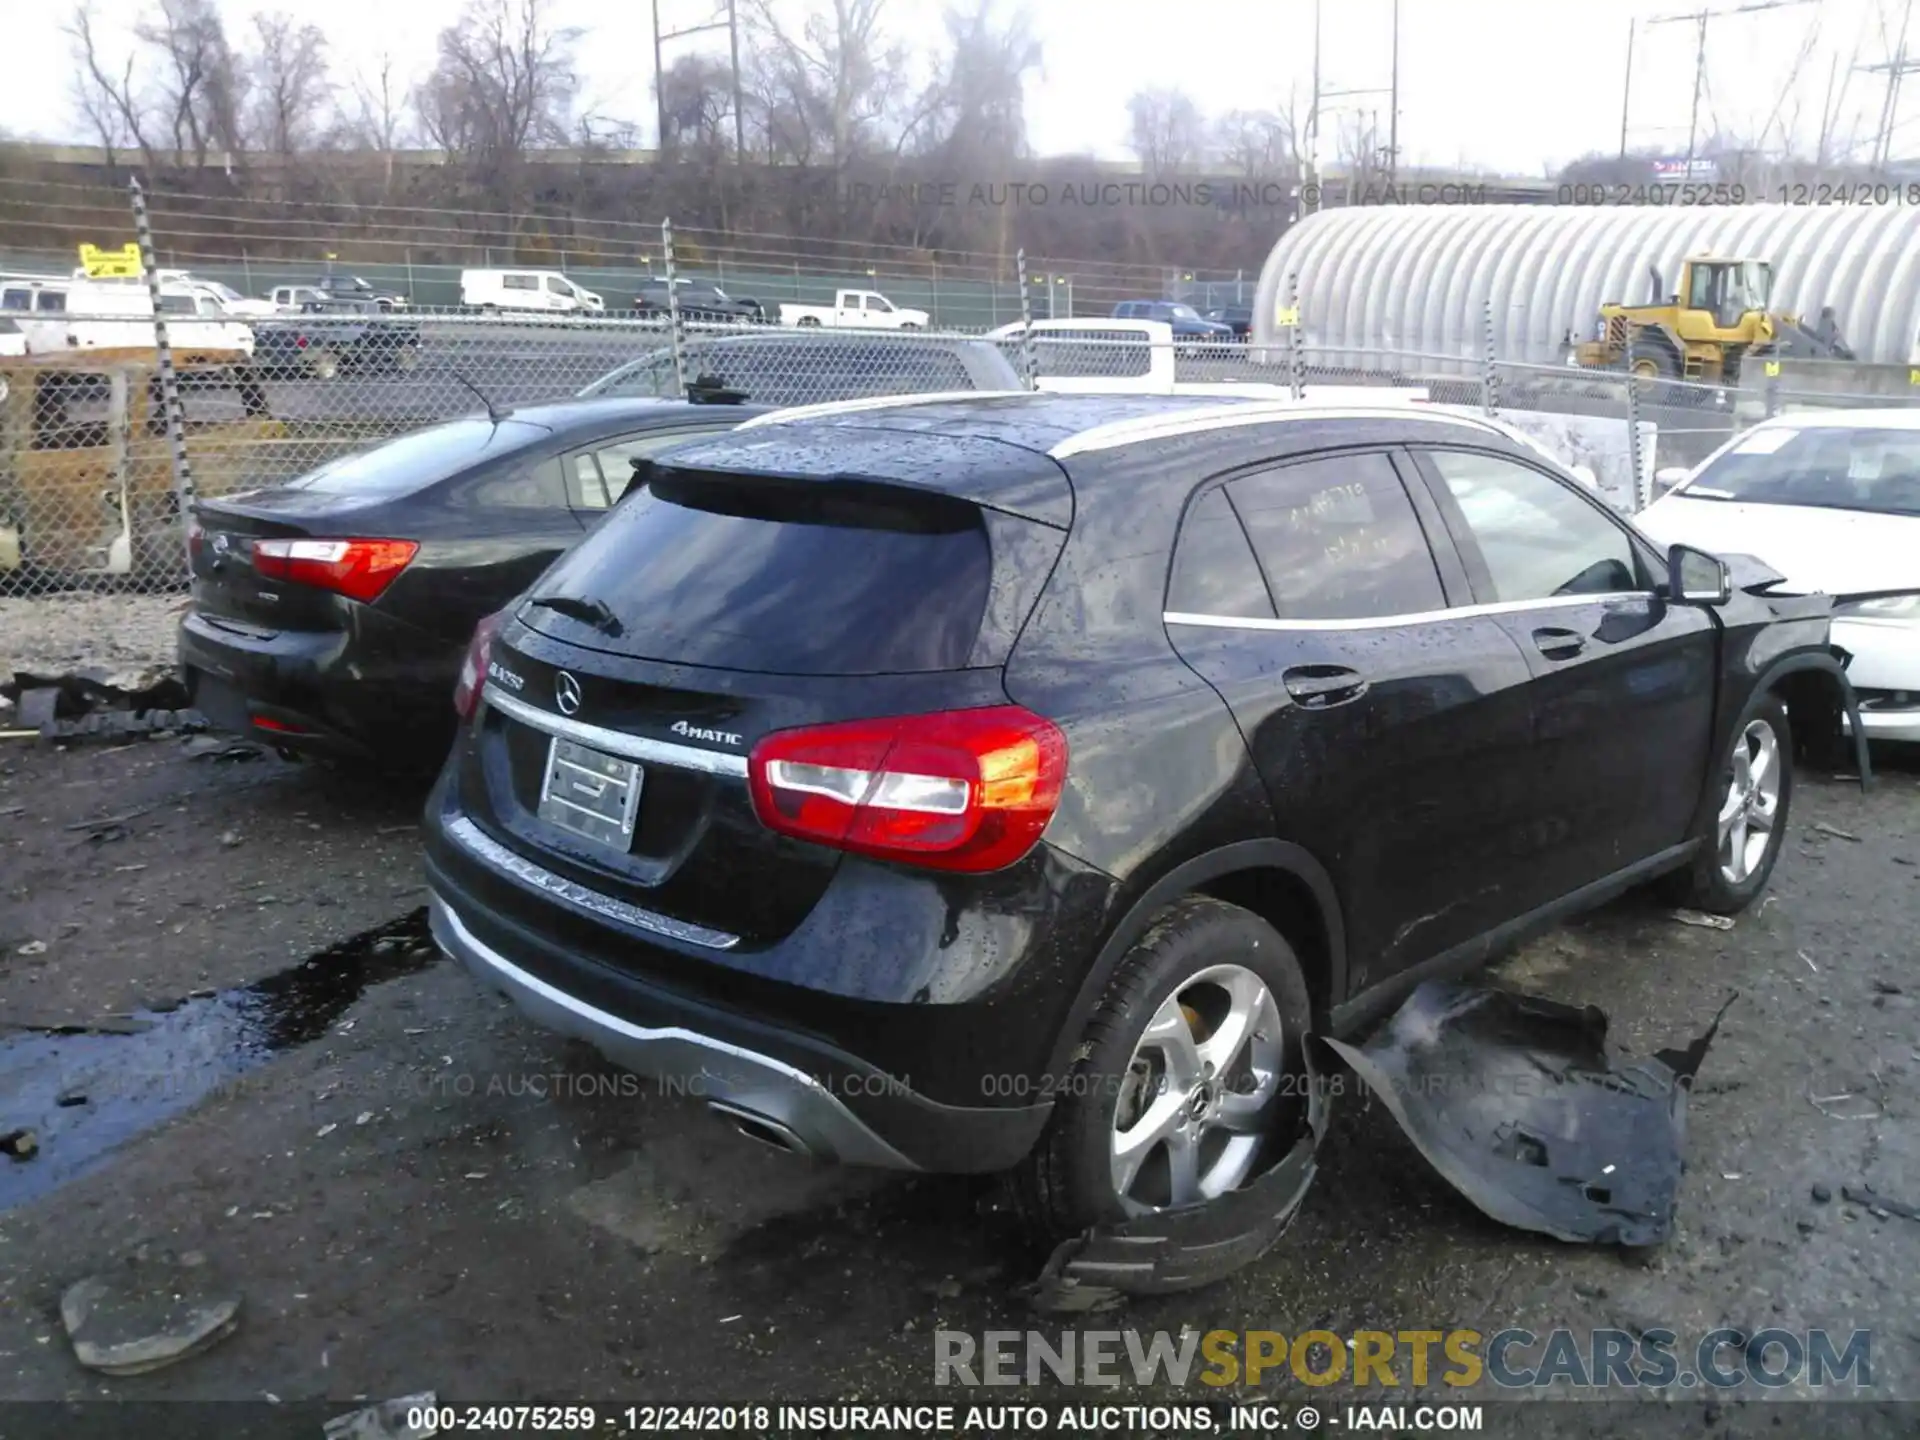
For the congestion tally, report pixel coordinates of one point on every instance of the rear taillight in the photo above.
(968, 790)
(358, 569)
(473, 670)
(196, 537)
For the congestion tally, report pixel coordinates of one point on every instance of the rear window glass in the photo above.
(785, 577)
(402, 466)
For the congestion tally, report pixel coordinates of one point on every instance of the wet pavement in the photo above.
(413, 1190)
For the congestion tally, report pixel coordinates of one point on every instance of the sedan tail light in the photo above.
(473, 670)
(965, 790)
(358, 569)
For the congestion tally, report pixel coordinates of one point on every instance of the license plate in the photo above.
(590, 794)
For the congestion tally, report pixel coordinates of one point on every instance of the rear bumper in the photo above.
(884, 1079)
(318, 692)
(773, 1097)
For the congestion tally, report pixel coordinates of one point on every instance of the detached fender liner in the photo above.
(1523, 1107)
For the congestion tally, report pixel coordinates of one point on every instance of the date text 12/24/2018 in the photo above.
(1681, 194)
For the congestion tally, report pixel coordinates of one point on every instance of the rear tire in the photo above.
(812, 321)
(1202, 971)
(1751, 798)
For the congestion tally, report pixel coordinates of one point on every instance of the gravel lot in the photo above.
(412, 1190)
(57, 634)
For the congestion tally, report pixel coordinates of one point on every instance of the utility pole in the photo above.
(1626, 90)
(1699, 19)
(732, 26)
(1313, 115)
(1699, 83)
(659, 90)
(739, 106)
(1826, 115)
(1896, 66)
(1393, 104)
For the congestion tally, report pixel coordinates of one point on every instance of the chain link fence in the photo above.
(91, 497)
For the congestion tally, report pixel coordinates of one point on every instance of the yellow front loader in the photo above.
(1720, 316)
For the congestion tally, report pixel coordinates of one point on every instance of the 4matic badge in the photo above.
(694, 732)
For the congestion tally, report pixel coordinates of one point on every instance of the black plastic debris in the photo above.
(1523, 1107)
(1179, 1250)
(94, 705)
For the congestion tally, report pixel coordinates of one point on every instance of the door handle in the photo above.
(1318, 687)
(1559, 644)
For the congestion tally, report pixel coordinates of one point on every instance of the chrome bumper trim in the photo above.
(488, 851)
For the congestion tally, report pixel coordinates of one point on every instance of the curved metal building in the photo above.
(1418, 279)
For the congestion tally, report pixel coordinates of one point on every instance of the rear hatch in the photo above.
(714, 608)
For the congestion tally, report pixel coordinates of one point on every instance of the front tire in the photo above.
(1745, 834)
(1191, 1078)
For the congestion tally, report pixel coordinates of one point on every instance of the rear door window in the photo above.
(1338, 539)
(781, 576)
(1214, 572)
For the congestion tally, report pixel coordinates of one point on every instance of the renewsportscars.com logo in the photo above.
(1512, 1359)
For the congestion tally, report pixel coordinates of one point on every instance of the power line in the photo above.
(1700, 19)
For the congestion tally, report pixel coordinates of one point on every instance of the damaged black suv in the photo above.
(1021, 781)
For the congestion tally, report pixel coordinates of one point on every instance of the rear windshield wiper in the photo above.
(590, 612)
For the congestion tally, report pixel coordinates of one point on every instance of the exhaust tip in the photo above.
(760, 1128)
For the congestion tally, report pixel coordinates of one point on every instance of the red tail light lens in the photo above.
(966, 790)
(358, 569)
(196, 537)
(473, 670)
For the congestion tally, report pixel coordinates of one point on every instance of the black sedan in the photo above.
(330, 614)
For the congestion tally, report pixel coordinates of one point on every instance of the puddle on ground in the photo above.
(84, 1095)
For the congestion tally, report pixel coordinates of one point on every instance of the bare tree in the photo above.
(974, 111)
(202, 86)
(292, 92)
(1263, 142)
(378, 120)
(1361, 151)
(504, 82)
(825, 90)
(1169, 132)
(106, 100)
(696, 95)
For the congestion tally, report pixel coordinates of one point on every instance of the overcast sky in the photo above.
(1515, 85)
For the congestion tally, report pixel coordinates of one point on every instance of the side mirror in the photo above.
(1696, 578)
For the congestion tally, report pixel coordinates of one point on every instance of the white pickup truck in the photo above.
(856, 310)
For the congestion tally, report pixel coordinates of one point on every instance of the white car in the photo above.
(1832, 501)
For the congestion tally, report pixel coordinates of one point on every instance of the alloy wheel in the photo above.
(1752, 803)
(1195, 1098)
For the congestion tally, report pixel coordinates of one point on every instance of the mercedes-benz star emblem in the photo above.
(566, 693)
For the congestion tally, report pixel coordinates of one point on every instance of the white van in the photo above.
(547, 290)
(56, 313)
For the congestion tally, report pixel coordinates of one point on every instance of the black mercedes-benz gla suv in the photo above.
(1019, 781)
